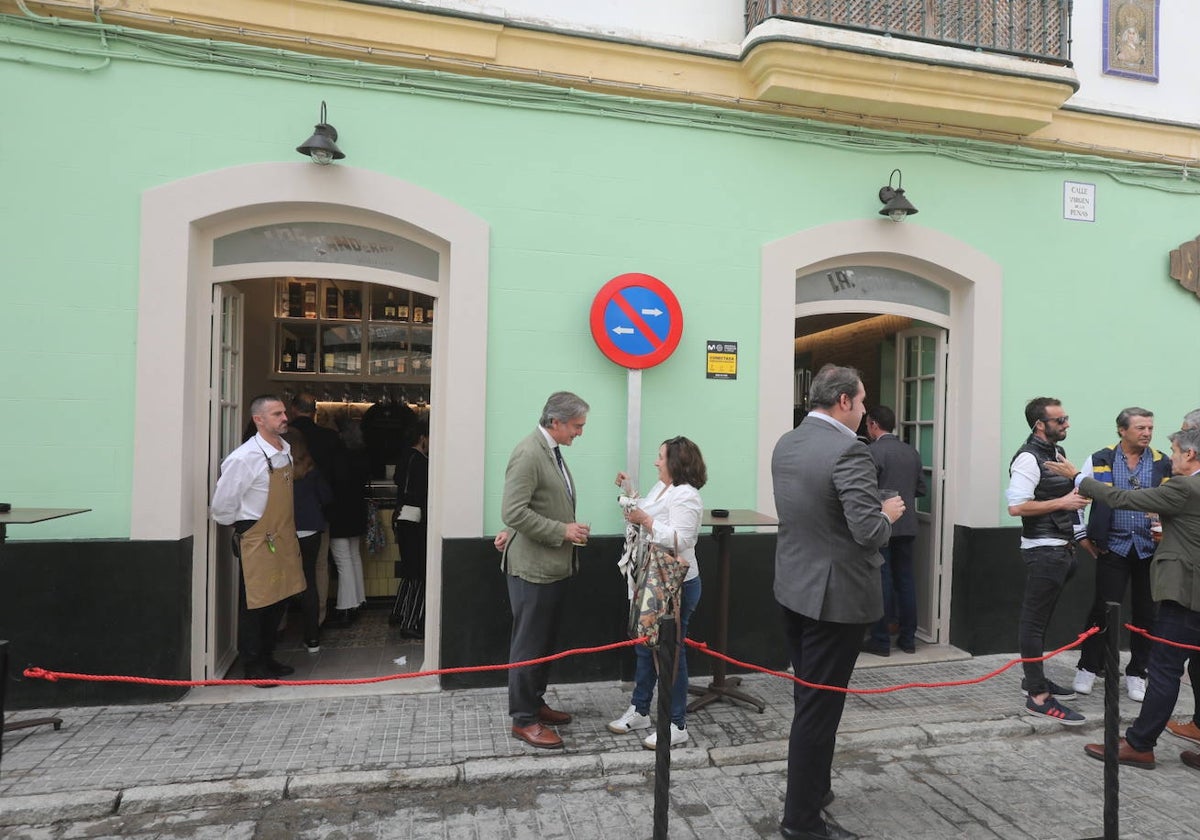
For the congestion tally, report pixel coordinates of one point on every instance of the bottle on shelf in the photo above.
(389, 307)
(331, 303)
(287, 360)
(310, 300)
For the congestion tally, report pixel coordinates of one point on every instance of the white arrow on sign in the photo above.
(623, 330)
(654, 312)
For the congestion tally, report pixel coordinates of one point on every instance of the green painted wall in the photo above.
(573, 200)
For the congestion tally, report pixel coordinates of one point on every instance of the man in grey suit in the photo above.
(831, 527)
(897, 467)
(538, 558)
(1174, 583)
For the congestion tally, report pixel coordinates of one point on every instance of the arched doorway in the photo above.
(182, 224)
(883, 268)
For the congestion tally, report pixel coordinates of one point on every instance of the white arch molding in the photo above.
(180, 220)
(974, 281)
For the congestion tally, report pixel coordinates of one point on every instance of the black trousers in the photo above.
(1047, 570)
(537, 615)
(258, 628)
(310, 598)
(1113, 573)
(822, 652)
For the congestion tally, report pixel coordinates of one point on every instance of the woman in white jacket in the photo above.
(670, 516)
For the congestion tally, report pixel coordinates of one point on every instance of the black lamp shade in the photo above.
(322, 146)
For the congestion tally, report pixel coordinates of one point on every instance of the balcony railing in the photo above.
(1032, 29)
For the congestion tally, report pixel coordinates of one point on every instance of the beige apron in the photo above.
(270, 550)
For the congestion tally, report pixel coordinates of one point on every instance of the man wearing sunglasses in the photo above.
(1122, 545)
(1049, 509)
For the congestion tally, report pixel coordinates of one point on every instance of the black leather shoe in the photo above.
(275, 669)
(877, 649)
(831, 831)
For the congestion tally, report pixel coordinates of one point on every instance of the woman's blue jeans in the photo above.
(645, 677)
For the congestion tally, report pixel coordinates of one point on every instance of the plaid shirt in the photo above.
(1129, 530)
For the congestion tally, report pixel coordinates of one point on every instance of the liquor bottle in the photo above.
(418, 315)
(303, 357)
(310, 300)
(331, 302)
(288, 360)
(284, 302)
(402, 312)
(429, 313)
(329, 364)
(295, 300)
(389, 307)
(352, 303)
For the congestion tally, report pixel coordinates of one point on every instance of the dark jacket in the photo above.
(1059, 524)
(348, 513)
(325, 446)
(898, 467)
(310, 496)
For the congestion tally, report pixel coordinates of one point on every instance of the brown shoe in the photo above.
(539, 736)
(1125, 755)
(552, 716)
(1187, 730)
(1191, 759)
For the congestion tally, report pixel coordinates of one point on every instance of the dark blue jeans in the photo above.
(899, 593)
(1047, 569)
(644, 677)
(1178, 624)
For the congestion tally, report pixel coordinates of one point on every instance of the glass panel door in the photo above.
(920, 379)
(225, 435)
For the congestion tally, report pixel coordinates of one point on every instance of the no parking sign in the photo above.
(636, 321)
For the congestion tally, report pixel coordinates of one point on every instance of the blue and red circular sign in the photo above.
(636, 321)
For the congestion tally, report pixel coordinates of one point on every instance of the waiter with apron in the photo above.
(254, 495)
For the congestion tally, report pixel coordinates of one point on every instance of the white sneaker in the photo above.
(1135, 687)
(1084, 679)
(629, 721)
(678, 736)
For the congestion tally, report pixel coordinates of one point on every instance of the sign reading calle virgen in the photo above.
(1185, 265)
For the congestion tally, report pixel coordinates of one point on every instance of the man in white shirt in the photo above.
(254, 495)
(1049, 509)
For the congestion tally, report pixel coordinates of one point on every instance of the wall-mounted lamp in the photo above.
(322, 146)
(895, 205)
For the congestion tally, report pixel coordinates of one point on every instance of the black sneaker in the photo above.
(1057, 691)
(1055, 711)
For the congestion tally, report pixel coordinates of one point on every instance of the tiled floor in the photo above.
(368, 649)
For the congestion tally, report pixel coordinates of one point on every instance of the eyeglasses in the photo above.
(1062, 421)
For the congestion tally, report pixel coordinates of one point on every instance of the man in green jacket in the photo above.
(539, 558)
(1174, 583)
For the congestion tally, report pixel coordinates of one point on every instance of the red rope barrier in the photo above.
(703, 648)
(54, 676)
(1142, 632)
(34, 672)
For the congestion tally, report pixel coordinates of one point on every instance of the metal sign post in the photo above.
(637, 323)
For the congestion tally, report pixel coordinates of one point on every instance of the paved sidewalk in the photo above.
(180, 756)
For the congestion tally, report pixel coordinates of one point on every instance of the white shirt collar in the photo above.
(837, 424)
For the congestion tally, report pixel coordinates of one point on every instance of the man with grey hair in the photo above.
(831, 527)
(539, 557)
(1122, 545)
(1175, 584)
(1191, 420)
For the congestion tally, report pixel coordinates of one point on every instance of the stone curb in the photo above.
(39, 808)
(763, 756)
(186, 796)
(347, 782)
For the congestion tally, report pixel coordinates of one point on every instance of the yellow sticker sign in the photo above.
(721, 361)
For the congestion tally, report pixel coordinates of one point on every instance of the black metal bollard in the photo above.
(665, 654)
(3, 687)
(1112, 720)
